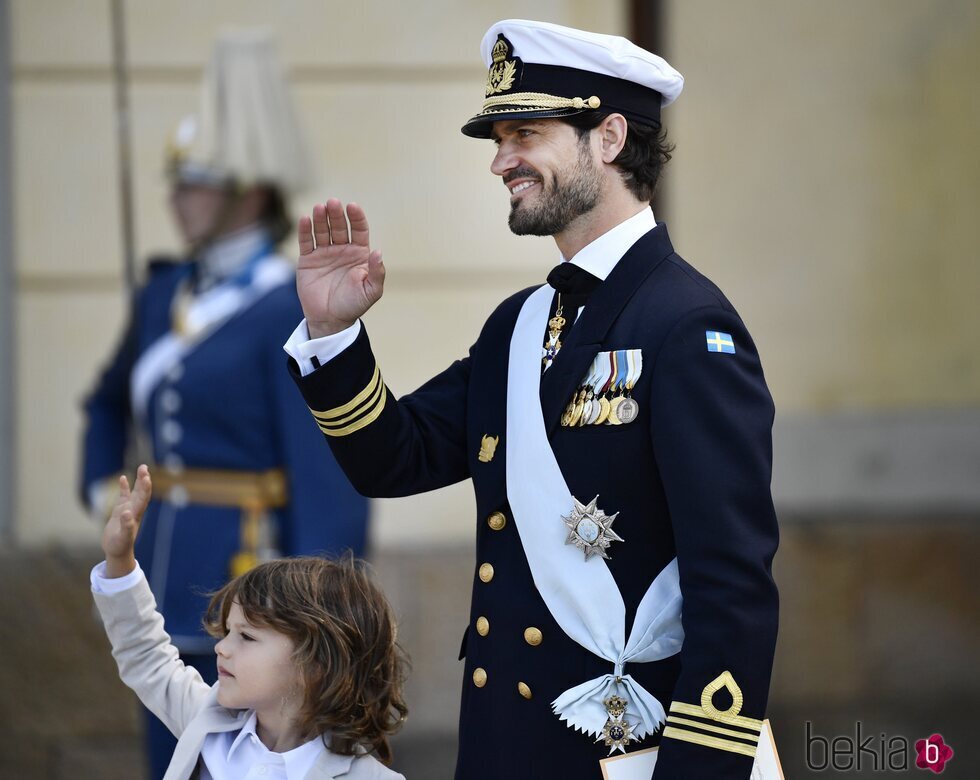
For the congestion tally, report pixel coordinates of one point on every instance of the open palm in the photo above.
(338, 277)
(119, 534)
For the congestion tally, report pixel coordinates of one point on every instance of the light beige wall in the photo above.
(827, 176)
(383, 87)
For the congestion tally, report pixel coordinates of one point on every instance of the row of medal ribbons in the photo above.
(605, 395)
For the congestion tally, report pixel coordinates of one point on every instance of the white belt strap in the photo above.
(206, 315)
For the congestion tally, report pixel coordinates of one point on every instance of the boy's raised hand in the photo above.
(119, 535)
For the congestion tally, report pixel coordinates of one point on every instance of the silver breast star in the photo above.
(590, 529)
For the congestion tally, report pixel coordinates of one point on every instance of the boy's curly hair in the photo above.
(343, 629)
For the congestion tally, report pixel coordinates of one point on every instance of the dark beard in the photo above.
(560, 202)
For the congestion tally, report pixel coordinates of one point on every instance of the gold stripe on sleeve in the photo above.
(342, 421)
(362, 423)
(712, 742)
(339, 411)
(698, 712)
(716, 729)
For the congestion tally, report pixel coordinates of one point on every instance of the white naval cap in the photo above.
(542, 70)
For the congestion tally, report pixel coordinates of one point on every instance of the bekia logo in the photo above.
(933, 753)
(879, 753)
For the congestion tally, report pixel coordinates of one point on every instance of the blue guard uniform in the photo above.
(227, 432)
(622, 596)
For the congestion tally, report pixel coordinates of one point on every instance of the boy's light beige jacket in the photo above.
(150, 665)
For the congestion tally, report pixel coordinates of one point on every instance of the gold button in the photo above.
(486, 572)
(482, 626)
(523, 690)
(533, 636)
(479, 677)
(497, 520)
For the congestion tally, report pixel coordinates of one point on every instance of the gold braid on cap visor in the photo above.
(523, 101)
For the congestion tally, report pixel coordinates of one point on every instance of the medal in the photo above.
(603, 411)
(601, 371)
(613, 418)
(627, 409)
(586, 408)
(577, 409)
(595, 409)
(616, 384)
(553, 344)
(618, 732)
(566, 416)
(590, 529)
(591, 408)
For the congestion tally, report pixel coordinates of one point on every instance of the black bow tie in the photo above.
(572, 281)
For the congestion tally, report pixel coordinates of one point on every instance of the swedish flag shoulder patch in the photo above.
(720, 342)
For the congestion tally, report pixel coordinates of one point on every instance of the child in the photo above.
(309, 674)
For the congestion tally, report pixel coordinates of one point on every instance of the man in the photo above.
(194, 380)
(617, 429)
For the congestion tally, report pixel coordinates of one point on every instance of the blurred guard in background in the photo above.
(198, 377)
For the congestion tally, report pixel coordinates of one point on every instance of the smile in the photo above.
(522, 186)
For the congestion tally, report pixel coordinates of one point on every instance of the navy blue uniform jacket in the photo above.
(690, 478)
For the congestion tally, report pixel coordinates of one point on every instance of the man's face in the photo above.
(197, 209)
(551, 174)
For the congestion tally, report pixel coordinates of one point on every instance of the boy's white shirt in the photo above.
(150, 665)
(230, 756)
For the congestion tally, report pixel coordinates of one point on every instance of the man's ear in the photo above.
(612, 136)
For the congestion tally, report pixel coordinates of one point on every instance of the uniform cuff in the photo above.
(301, 348)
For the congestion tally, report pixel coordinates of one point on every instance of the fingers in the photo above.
(359, 233)
(123, 487)
(142, 491)
(321, 228)
(338, 222)
(329, 226)
(304, 232)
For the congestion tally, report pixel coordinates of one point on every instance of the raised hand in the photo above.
(338, 277)
(119, 535)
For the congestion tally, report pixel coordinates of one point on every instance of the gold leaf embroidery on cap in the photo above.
(502, 73)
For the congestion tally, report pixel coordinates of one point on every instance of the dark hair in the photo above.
(344, 633)
(643, 156)
(276, 215)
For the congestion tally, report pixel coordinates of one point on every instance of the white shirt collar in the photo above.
(246, 751)
(601, 256)
(230, 253)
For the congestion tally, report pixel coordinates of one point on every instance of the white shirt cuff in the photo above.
(301, 348)
(111, 586)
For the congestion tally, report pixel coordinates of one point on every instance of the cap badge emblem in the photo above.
(503, 71)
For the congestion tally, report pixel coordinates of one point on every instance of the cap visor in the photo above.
(481, 125)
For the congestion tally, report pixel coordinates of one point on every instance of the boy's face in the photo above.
(255, 666)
